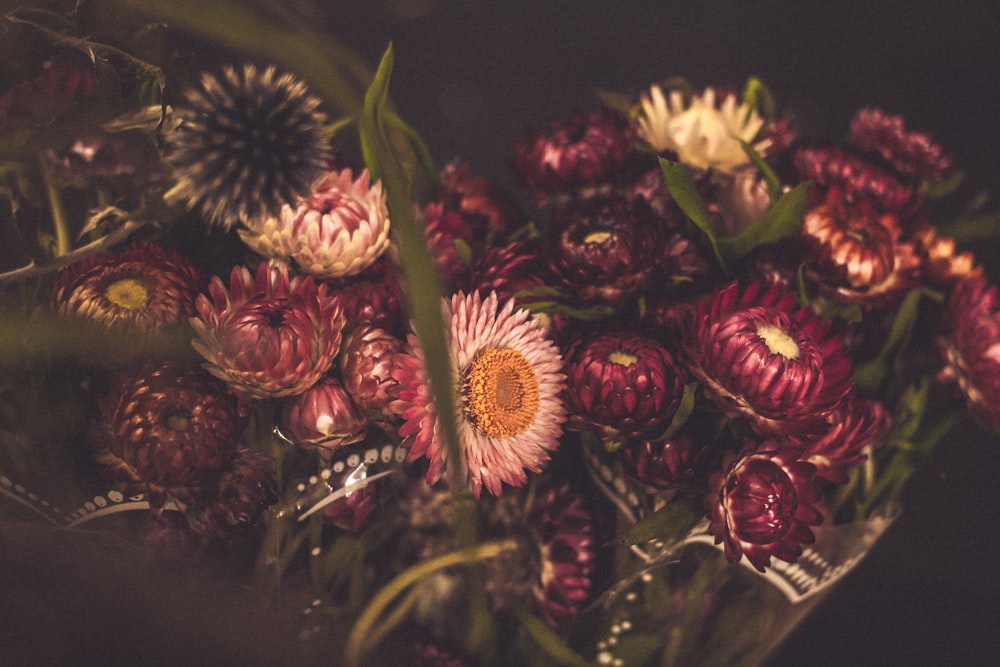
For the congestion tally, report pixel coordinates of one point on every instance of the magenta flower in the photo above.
(911, 153)
(761, 504)
(235, 503)
(324, 417)
(366, 361)
(970, 346)
(763, 358)
(489, 210)
(269, 336)
(857, 425)
(620, 385)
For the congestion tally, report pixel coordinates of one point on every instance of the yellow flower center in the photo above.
(501, 392)
(597, 237)
(127, 293)
(178, 421)
(622, 358)
(778, 341)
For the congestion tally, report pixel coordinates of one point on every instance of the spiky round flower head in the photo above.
(167, 432)
(620, 385)
(323, 416)
(580, 156)
(858, 424)
(604, 249)
(970, 346)
(488, 209)
(506, 375)
(763, 358)
(856, 253)
(551, 568)
(339, 230)
(140, 292)
(233, 505)
(911, 153)
(269, 336)
(367, 358)
(857, 179)
(249, 140)
(761, 504)
(701, 133)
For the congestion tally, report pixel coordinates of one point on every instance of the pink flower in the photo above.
(269, 336)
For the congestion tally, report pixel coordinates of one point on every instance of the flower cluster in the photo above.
(686, 312)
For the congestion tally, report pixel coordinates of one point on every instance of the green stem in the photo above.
(365, 627)
(63, 244)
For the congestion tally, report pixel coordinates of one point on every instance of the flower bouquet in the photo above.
(643, 411)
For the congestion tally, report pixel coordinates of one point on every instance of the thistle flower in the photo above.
(761, 504)
(324, 417)
(761, 357)
(142, 290)
(578, 158)
(911, 153)
(970, 347)
(249, 140)
(339, 230)
(507, 379)
(167, 432)
(366, 360)
(855, 253)
(620, 385)
(269, 336)
(604, 249)
(234, 504)
(702, 133)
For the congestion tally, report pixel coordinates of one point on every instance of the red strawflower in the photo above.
(761, 504)
(234, 504)
(65, 78)
(604, 249)
(450, 241)
(855, 253)
(580, 156)
(665, 465)
(324, 417)
(911, 153)
(488, 209)
(374, 297)
(620, 385)
(167, 432)
(762, 357)
(858, 179)
(970, 346)
(366, 360)
(269, 336)
(508, 270)
(858, 424)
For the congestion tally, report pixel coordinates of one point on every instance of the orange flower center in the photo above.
(127, 293)
(778, 341)
(501, 392)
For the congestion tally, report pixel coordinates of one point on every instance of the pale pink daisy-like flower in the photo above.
(507, 377)
(702, 133)
(339, 230)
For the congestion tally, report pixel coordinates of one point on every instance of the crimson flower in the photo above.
(269, 336)
(763, 358)
(761, 504)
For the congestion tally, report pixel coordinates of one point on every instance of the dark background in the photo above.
(471, 76)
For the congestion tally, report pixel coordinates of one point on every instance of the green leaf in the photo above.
(757, 95)
(615, 101)
(667, 523)
(943, 188)
(678, 180)
(547, 639)
(975, 228)
(782, 220)
(869, 376)
(773, 182)
(684, 411)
